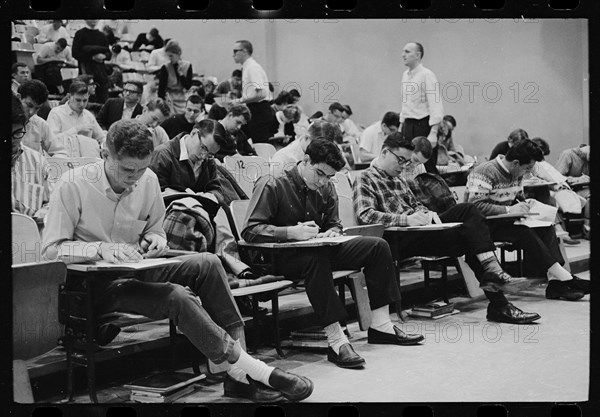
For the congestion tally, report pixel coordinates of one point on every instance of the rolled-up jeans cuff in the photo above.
(228, 351)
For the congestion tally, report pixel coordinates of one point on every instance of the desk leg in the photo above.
(275, 312)
(90, 327)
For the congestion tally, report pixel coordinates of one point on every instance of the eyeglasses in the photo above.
(19, 134)
(401, 160)
(129, 91)
(207, 154)
(237, 50)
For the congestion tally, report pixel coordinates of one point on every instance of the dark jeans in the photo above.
(315, 266)
(259, 127)
(194, 294)
(411, 128)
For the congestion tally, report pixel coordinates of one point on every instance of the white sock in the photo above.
(236, 373)
(380, 320)
(258, 370)
(335, 336)
(485, 255)
(558, 272)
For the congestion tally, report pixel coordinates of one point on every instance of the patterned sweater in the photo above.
(491, 188)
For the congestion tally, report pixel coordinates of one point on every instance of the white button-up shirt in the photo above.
(64, 122)
(254, 77)
(421, 96)
(39, 137)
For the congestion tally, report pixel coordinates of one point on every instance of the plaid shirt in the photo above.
(379, 198)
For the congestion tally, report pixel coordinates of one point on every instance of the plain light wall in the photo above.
(527, 74)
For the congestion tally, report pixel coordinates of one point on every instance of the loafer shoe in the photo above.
(570, 241)
(579, 284)
(253, 390)
(293, 387)
(398, 338)
(494, 282)
(510, 314)
(562, 290)
(347, 358)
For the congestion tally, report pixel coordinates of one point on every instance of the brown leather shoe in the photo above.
(510, 314)
(253, 390)
(398, 338)
(347, 358)
(293, 387)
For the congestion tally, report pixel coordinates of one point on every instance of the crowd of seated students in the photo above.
(164, 128)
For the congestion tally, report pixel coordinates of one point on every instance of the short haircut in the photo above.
(209, 126)
(324, 151)
(34, 89)
(391, 119)
(420, 49)
(517, 135)
(195, 99)
(348, 109)
(85, 78)
(153, 32)
(295, 93)
(538, 141)
(173, 47)
(283, 98)
(15, 67)
(139, 85)
(160, 104)
(336, 106)
(246, 45)
(237, 73)
(17, 114)
(450, 119)
(62, 42)
(78, 87)
(292, 112)
(129, 138)
(240, 110)
(524, 151)
(397, 140)
(322, 129)
(422, 144)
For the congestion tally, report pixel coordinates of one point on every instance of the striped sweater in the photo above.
(491, 188)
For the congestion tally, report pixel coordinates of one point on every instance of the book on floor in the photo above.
(431, 315)
(153, 397)
(163, 383)
(314, 332)
(435, 307)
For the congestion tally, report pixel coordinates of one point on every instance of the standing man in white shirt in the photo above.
(422, 109)
(255, 93)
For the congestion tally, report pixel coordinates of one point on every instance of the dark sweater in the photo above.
(87, 43)
(499, 149)
(177, 124)
(141, 40)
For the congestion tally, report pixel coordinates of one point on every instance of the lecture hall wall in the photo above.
(496, 75)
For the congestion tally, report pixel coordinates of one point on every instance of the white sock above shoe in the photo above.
(236, 373)
(256, 369)
(380, 320)
(559, 273)
(335, 336)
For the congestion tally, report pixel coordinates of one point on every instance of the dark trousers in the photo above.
(98, 70)
(411, 128)
(194, 294)
(259, 127)
(315, 266)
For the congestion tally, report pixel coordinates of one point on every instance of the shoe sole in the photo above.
(265, 401)
(305, 394)
(352, 365)
(529, 321)
(390, 342)
(565, 297)
(511, 288)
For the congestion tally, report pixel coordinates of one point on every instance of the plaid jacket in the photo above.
(189, 227)
(379, 198)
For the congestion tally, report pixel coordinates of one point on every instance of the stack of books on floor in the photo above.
(163, 387)
(433, 310)
(311, 337)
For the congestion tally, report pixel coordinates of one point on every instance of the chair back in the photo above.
(239, 209)
(58, 166)
(265, 150)
(246, 170)
(26, 240)
(342, 185)
(458, 192)
(346, 211)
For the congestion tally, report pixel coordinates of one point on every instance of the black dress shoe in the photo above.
(106, 333)
(508, 313)
(579, 284)
(347, 358)
(557, 290)
(253, 390)
(494, 282)
(293, 387)
(398, 338)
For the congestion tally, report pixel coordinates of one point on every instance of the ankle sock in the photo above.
(256, 369)
(380, 320)
(335, 336)
(489, 262)
(236, 373)
(559, 273)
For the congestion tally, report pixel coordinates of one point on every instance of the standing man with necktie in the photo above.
(255, 93)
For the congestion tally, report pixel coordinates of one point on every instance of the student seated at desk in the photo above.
(574, 163)
(301, 204)
(382, 196)
(118, 218)
(371, 139)
(503, 147)
(493, 187)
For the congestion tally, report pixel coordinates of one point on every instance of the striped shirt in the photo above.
(30, 188)
(380, 198)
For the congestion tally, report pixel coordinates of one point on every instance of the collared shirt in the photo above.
(48, 51)
(157, 59)
(127, 111)
(29, 182)
(572, 163)
(148, 95)
(349, 128)
(421, 96)
(492, 188)
(254, 77)
(64, 122)
(287, 158)
(280, 202)
(159, 136)
(185, 156)
(380, 198)
(49, 34)
(372, 138)
(14, 86)
(85, 211)
(39, 137)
